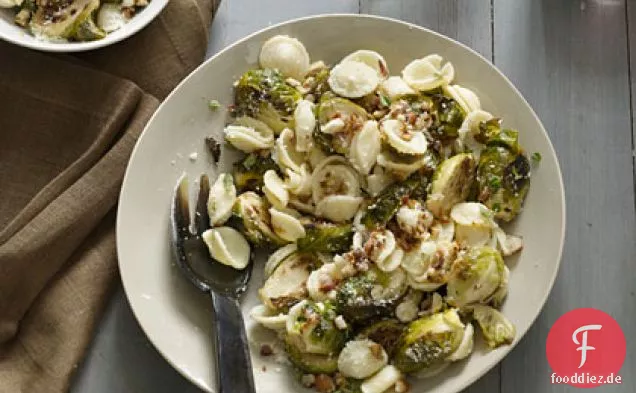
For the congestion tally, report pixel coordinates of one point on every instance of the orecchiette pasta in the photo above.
(466, 346)
(285, 224)
(286, 54)
(333, 176)
(380, 245)
(402, 139)
(304, 123)
(285, 153)
(221, 199)
(353, 79)
(275, 190)
(338, 208)
(228, 246)
(466, 98)
(428, 73)
(360, 359)
(299, 183)
(401, 165)
(395, 87)
(278, 256)
(381, 381)
(365, 147)
(249, 135)
(378, 180)
(269, 318)
(372, 59)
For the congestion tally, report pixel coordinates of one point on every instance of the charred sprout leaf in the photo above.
(488, 130)
(264, 95)
(348, 385)
(372, 294)
(451, 184)
(387, 203)
(503, 179)
(386, 333)
(214, 105)
(285, 287)
(506, 138)
(428, 341)
(248, 173)
(311, 363)
(447, 117)
(311, 328)
(497, 329)
(475, 276)
(214, 148)
(536, 157)
(324, 236)
(251, 217)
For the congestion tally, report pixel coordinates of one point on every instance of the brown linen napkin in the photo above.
(67, 128)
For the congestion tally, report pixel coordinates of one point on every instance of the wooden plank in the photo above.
(468, 21)
(238, 18)
(570, 61)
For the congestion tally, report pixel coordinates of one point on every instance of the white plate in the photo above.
(13, 33)
(177, 318)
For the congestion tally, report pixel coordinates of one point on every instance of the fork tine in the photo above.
(180, 212)
(201, 218)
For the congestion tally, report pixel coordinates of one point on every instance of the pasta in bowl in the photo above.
(381, 197)
(294, 138)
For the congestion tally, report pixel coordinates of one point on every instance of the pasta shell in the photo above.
(249, 135)
(382, 381)
(302, 206)
(422, 286)
(428, 73)
(417, 261)
(361, 358)
(299, 183)
(316, 156)
(378, 181)
(372, 59)
(392, 262)
(274, 189)
(227, 246)
(443, 232)
(352, 79)
(333, 176)
(395, 87)
(286, 54)
(322, 281)
(365, 147)
(338, 208)
(277, 257)
(466, 346)
(380, 245)
(466, 98)
(470, 127)
(403, 140)
(401, 165)
(304, 123)
(285, 153)
(286, 225)
(110, 17)
(333, 126)
(221, 199)
(508, 244)
(269, 318)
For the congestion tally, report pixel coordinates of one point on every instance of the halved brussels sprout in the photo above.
(309, 362)
(264, 95)
(251, 217)
(475, 276)
(66, 19)
(322, 236)
(497, 329)
(451, 184)
(311, 328)
(447, 116)
(503, 176)
(429, 341)
(387, 203)
(248, 173)
(371, 294)
(386, 333)
(353, 117)
(286, 285)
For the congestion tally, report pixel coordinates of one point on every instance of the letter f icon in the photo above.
(584, 347)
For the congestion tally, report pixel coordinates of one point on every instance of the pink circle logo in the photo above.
(586, 348)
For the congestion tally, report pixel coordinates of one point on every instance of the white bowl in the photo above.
(177, 318)
(13, 33)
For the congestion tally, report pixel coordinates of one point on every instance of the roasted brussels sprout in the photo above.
(387, 203)
(322, 236)
(487, 130)
(447, 117)
(310, 362)
(428, 341)
(248, 173)
(311, 328)
(286, 285)
(251, 217)
(372, 294)
(503, 176)
(316, 81)
(386, 333)
(475, 276)
(66, 19)
(338, 120)
(264, 95)
(496, 328)
(451, 184)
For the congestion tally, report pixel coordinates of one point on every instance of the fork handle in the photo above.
(233, 364)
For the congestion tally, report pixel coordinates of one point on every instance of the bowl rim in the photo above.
(150, 14)
(502, 352)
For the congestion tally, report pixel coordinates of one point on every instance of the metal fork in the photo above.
(224, 284)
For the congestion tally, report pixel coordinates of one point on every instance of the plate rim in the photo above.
(503, 352)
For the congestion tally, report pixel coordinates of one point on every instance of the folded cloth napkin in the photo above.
(67, 127)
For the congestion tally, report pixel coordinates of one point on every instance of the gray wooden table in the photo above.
(573, 60)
